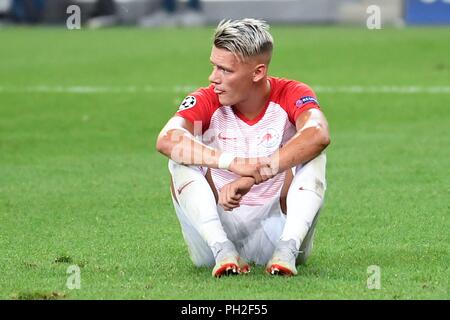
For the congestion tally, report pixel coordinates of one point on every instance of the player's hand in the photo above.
(231, 194)
(269, 168)
(251, 167)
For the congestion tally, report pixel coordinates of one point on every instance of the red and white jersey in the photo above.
(226, 129)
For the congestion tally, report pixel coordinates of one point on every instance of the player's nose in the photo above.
(213, 77)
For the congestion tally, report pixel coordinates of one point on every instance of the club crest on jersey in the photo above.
(269, 138)
(187, 103)
(304, 100)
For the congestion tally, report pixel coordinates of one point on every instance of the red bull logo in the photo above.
(269, 138)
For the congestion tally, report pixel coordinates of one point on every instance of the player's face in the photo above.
(232, 79)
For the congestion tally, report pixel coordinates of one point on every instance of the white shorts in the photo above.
(254, 230)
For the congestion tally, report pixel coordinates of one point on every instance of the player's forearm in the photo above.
(303, 147)
(181, 147)
(246, 182)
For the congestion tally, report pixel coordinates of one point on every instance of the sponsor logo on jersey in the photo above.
(187, 103)
(304, 100)
(269, 138)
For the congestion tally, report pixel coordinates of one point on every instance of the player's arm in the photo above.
(231, 194)
(176, 141)
(311, 139)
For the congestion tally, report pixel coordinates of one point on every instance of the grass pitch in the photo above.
(81, 183)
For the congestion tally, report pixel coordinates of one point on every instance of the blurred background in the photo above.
(157, 13)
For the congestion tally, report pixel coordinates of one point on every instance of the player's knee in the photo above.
(180, 170)
(311, 177)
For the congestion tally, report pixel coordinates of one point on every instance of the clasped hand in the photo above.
(252, 171)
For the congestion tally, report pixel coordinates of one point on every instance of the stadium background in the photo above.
(82, 185)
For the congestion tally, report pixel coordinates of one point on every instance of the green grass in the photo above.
(81, 182)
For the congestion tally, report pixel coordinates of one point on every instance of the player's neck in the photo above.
(256, 102)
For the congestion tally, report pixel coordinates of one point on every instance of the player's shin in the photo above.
(304, 199)
(195, 197)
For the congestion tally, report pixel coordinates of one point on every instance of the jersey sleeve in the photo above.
(199, 106)
(299, 97)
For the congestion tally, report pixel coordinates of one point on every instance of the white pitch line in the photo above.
(184, 89)
(384, 89)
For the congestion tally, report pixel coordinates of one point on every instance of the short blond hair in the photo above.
(245, 38)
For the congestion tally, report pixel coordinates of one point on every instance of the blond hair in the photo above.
(245, 38)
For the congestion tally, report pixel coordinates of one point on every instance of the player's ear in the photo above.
(259, 72)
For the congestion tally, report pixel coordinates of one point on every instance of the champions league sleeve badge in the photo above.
(187, 103)
(304, 100)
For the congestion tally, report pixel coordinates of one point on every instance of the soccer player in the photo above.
(246, 159)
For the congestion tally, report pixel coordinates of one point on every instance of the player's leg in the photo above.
(199, 251)
(255, 230)
(195, 203)
(307, 243)
(304, 200)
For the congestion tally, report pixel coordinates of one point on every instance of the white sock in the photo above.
(197, 200)
(304, 199)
